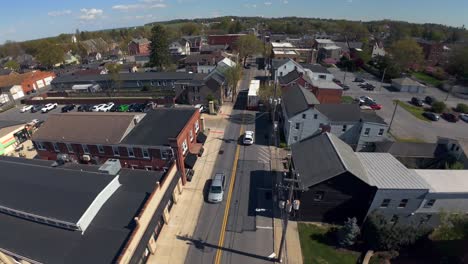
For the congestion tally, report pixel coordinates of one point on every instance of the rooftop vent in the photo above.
(111, 166)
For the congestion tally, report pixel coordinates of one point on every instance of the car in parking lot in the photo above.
(216, 191)
(98, 107)
(363, 99)
(431, 116)
(123, 108)
(417, 102)
(464, 117)
(248, 138)
(26, 108)
(49, 107)
(345, 87)
(68, 108)
(430, 100)
(37, 108)
(357, 79)
(85, 108)
(106, 108)
(375, 106)
(137, 108)
(451, 117)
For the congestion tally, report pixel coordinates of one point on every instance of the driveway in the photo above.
(405, 125)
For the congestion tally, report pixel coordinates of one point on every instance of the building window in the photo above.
(184, 147)
(85, 149)
(303, 116)
(115, 149)
(69, 148)
(453, 147)
(298, 125)
(100, 149)
(56, 147)
(131, 153)
(394, 219)
(197, 127)
(322, 77)
(191, 135)
(318, 196)
(367, 131)
(40, 146)
(145, 153)
(381, 131)
(344, 128)
(164, 83)
(430, 203)
(403, 203)
(295, 138)
(315, 116)
(165, 154)
(385, 203)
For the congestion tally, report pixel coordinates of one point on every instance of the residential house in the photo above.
(201, 92)
(139, 46)
(329, 53)
(208, 49)
(95, 45)
(74, 213)
(285, 50)
(227, 39)
(180, 47)
(349, 49)
(69, 59)
(202, 63)
(196, 42)
(17, 85)
(378, 49)
(458, 148)
(136, 139)
(435, 53)
(26, 61)
(322, 43)
(94, 56)
(408, 85)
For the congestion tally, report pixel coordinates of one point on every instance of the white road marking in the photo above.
(264, 227)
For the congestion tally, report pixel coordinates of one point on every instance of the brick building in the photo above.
(148, 141)
(28, 82)
(227, 39)
(139, 46)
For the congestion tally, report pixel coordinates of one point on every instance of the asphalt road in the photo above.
(248, 237)
(405, 125)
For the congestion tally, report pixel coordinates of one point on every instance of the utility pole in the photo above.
(383, 77)
(393, 115)
(344, 78)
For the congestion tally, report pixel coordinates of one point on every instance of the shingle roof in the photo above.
(445, 181)
(411, 149)
(340, 112)
(316, 68)
(372, 117)
(386, 172)
(158, 126)
(86, 128)
(276, 63)
(406, 81)
(141, 41)
(14, 79)
(290, 77)
(297, 99)
(323, 157)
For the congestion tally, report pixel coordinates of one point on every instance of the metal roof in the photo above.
(446, 181)
(386, 172)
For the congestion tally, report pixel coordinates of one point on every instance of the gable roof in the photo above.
(411, 149)
(141, 41)
(86, 128)
(386, 172)
(340, 112)
(323, 157)
(14, 79)
(297, 99)
(371, 117)
(276, 63)
(290, 77)
(406, 81)
(315, 68)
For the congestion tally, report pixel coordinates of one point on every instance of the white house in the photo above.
(180, 47)
(313, 71)
(378, 49)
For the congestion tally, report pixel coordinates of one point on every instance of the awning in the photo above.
(201, 138)
(190, 160)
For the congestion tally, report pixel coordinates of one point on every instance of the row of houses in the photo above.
(15, 86)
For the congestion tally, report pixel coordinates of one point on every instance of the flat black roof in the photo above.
(158, 126)
(104, 238)
(137, 76)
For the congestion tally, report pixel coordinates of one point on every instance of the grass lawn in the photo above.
(316, 250)
(427, 79)
(347, 99)
(414, 110)
(409, 140)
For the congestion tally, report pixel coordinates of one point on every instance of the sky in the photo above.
(32, 19)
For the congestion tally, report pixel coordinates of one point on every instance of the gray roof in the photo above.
(316, 68)
(297, 99)
(9, 123)
(141, 41)
(340, 112)
(386, 172)
(371, 117)
(276, 63)
(411, 149)
(406, 81)
(290, 77)
(323, 157)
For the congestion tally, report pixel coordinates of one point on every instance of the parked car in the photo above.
(26, 108)
(115, 108)
(431, 116)
(106, 108)
(451, 117)
(98, 107)
(369, 87)
(430, 100)
(201, 108)
(216, 192)
(417, 102)
(363, 99)
(345, 87)
(464, 117)
(248, 138)
(337, 81)
(357, 79)
(375, 106)
(36, 108)
(137, 108)
(68, 108)
(33, 122)
(49, 107)
(123, 108)
(85, 108)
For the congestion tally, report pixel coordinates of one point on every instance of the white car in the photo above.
(98, 107)
(26, 108)
(464, 117)
(107, 107)
(49, 107)
(365, 98)
(248, 138)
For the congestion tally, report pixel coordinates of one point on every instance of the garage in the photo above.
(408, 85)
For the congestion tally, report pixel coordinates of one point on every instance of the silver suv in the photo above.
(216, 193)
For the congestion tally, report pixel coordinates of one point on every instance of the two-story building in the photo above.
(180, 47)
(148, 141)
(140, 46)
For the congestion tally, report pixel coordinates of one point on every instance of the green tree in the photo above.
(454, 166)
(267, 91)
(458, 62)
(159, 47)
(12, 65)
(348, 233)
(406, 53)
(247, 46)
(438, 107)
(114, 72)
(233, 75)
(235, 27)
(462, 108)
(190, 29)
(50, 54)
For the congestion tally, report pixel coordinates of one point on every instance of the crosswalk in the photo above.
(264, 154)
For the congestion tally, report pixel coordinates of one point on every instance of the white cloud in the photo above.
(267, 3)
(59, 13)
(285, 2)
(90, 14)
(250, 5)
(143, 4)
(127, 7)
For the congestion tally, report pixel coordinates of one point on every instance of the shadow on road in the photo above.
(260, 194)
(204, 246)
(244, 119)
(262, 129)
(241, 101)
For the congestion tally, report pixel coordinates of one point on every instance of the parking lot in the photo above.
(405, 125)
(15, 114)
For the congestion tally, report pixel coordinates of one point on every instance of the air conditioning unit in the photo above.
(86, 158)
(111, 166)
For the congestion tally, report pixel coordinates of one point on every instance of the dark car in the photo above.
(430, 100)
(345, 87)
(68, 108)
(368, 87)
(431, 116)
(416, 101)
(85, 108)
(359, 80)
(37, 108)
(137, 108)
(451, 117)
(114, 108)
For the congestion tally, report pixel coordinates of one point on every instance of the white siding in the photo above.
(449, 202)
(307, 127)
(373, 134)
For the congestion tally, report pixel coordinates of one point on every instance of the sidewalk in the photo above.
(292, 253)
(184, 215)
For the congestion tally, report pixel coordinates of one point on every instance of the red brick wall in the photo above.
(28, 84)
(222, 39)
(135, 49)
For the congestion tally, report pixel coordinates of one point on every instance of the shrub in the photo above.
(462, 108)
(348, 233)
(283, 145)
(438, 107)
